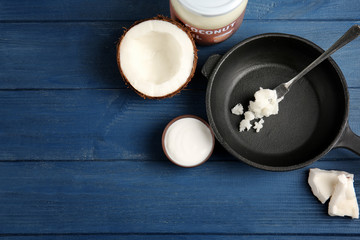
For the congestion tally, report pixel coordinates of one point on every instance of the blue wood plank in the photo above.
(59, 55)
(88, 124)
(124, 197)
(293, 9)
(181, 237)
(102, 124)
(80, 10)
(82, 55)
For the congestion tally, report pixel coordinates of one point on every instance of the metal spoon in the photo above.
(350, 35)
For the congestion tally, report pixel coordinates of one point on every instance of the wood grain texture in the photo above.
(169, 236)
(83, 55)
(88, 124)
(80, 154)
(158, 197)
(119, 10)
(101, 124)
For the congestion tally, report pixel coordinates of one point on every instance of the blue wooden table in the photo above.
(80, 154)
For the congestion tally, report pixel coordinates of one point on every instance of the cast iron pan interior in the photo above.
(311, 117)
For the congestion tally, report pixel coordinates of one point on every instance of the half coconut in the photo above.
(157, 57)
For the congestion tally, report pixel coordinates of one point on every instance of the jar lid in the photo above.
(210, 7)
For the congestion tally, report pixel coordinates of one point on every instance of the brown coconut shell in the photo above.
(179, 25)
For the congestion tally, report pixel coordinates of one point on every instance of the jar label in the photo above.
(210, 36)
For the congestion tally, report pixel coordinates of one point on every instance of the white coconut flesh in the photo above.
(156, 57)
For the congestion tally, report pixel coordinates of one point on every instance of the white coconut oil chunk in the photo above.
(339, 187)
(188, 142)
(266, 104)
(238, 109)
(323, 182)
(343, 201)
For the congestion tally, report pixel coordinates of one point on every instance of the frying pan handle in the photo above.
(210, 64)
(349, 140)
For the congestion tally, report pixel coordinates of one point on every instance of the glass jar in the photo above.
(211, 21)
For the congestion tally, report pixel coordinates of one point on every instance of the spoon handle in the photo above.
(350, 35)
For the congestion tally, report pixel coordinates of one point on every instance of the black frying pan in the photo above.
(313, 117)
